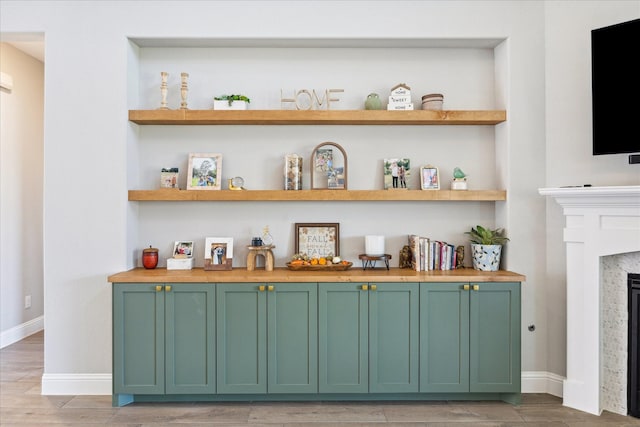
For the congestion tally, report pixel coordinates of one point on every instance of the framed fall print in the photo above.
(318, 239)
(205, 171)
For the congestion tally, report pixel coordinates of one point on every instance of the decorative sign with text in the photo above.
(309, 100)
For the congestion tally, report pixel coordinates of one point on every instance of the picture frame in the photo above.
(183, 249)
(169, 178)
(218, 253)
(429, 178)
(205, 171)
(396, 173)
(317, 239)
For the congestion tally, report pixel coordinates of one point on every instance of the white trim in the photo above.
(76, 384)
(19, 332)
(542, 382)
(100, 384)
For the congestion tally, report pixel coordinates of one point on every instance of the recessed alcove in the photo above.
(468, 72)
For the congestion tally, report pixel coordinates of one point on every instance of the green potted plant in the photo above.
(231, 102)
(486, 247)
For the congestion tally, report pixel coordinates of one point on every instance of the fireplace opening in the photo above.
(633, 371)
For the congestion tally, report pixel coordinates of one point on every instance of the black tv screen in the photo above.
(615, 59)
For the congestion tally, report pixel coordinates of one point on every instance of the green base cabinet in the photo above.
(470, 337)
(316, 341)
(368, 337)
(267, 338)
(163, 339)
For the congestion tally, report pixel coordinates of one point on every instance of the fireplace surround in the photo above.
(633, 367)
(599, 221)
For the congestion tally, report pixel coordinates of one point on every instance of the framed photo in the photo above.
(169, 178)
(429, 178)
(396, 173)
(183, 249)
(205, 171)
(218, 253)
(318, 239)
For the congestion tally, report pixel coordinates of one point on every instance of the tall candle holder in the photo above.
(183, 91)
(163, 91)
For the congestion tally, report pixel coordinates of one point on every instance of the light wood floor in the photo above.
(21, 404)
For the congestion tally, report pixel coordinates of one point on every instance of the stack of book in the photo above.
(427, 254)
(400, 98)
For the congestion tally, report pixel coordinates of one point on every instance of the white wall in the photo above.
(89, 91)
(568, 136)
(21, 180)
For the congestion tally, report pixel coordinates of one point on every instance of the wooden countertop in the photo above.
(281, 274)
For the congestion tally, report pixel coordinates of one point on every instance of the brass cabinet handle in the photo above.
(158, 288)
(262, 288)
(364, 287)
(466, 287)
(167, 288)
(374, 287)
(270, 288)
(476, 287)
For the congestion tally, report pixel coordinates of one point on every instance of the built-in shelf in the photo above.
(172, 195)
(317, 117)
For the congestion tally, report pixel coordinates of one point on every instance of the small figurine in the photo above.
(405, 257)
(459, 257)
(373, 102)
(459, 179)
(458, 174)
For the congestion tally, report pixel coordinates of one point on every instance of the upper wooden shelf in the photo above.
(171, 195)
(316, 117)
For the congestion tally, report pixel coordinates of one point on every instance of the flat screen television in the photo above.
(615, 55)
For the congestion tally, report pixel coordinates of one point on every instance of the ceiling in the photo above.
(32, 48)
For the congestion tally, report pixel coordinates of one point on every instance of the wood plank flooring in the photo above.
(21, 404)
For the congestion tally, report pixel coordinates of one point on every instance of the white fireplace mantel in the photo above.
(599, 221)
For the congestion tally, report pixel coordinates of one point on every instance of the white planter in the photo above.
(235, 105)
(486, 257)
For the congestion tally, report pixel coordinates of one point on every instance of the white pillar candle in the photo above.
(374, 245)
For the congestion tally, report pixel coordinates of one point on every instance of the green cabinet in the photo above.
(368, 337)
(267, 338)
(163, 339)
(470, 337)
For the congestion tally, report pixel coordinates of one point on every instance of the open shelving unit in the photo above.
(317, 117)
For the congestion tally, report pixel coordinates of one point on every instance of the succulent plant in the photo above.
(485, 236)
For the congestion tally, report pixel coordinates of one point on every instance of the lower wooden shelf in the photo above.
(173, 195)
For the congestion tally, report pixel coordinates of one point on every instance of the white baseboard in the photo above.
(76, 384)
(100, 384)
(542, 382)
(19, 332)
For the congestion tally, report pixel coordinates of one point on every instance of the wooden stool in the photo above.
(265, 251)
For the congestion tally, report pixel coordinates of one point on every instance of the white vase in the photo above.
(486, 257)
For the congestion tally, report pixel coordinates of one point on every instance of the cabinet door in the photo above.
(393, 337)
(241, 326)
(343, 338)
(444, 337)
(292, 313)
(495, 338)
(190, 338)
(138, 338)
